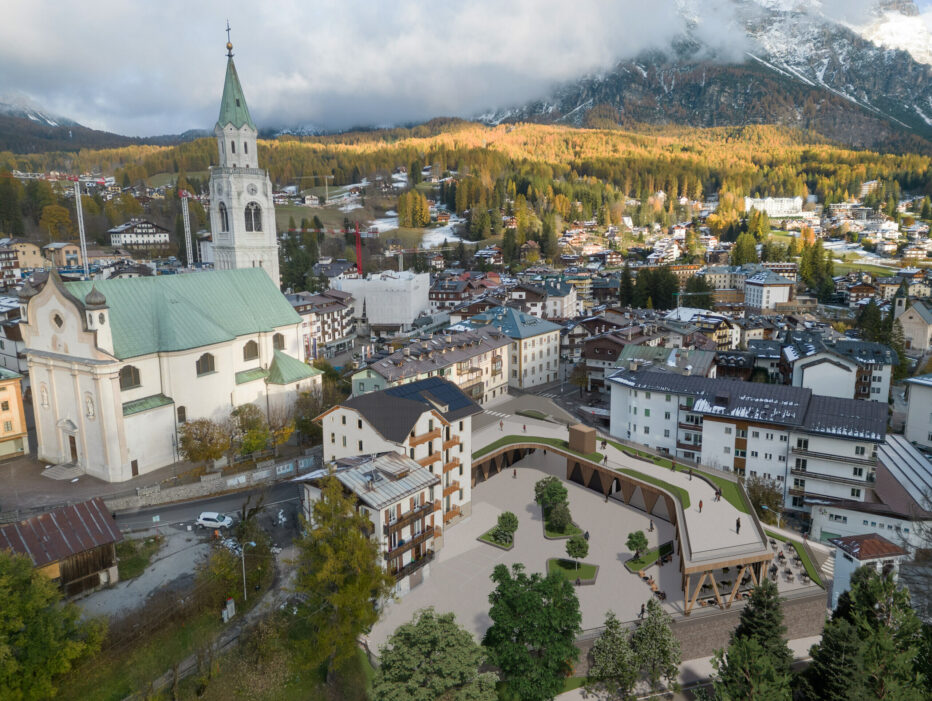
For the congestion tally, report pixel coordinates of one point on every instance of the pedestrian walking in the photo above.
(586, 536)
(641, 614)
(651, 529)
(690, 474)
(501, 425)
(524, 428)
(738, 525)
(514, 474)
(700, 506)
(605, 459)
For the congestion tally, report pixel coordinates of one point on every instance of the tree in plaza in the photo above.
(745, 250)
(889, 630)
(658, 650)
(549, 492)
(432, 657)
(56, 221)
(340, 573)
(626, 287)
(507, 525)
(535, 621)
(837, 671)
(577, 548)
(762, 620)
(558, 517)
(613, 671)
(636, 542)
(747, 673)
(41, 637)
(203, 440)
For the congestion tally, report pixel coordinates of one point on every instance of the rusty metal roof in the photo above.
(59, 534)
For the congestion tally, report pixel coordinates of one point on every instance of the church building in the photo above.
(117, 366)
(242, 213)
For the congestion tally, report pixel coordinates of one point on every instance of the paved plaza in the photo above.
(459, 576)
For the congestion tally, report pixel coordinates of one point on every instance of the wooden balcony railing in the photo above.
(454, 486)
(424, 462)
(424, 437)
(451, 514)
(405, 545)
(410, 517)
(452, 465)
(450, 443)
(400, 574)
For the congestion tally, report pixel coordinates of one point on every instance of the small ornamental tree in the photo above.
(560, 518)
(202, 440)
(613, 671)
(507, 526)
(636, 542)
(577, 547)
(657, 648)
(549, 492)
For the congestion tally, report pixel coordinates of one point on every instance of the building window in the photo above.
(666, 433)
(344, 441)
(333, 438)
(728, 430)
(856, 492)
(360, 446)
(278, 342)
(4, 406)
(246, 147)
(755, 434)
(727, 450)
(182, 415)
(859, 450)
(647, 412)
(343, 419)
(858, 471)
(250, 350)
(129, 377)
(7, 426)
(224, 218)
(205, 364)
(359, 423)
(646, 430)
(253, 217)
(232, 147)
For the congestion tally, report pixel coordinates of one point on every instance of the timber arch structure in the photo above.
(696, 568)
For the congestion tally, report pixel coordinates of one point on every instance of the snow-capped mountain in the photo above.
(865, 79)
(19, 106)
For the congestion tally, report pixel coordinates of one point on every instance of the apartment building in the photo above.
(535, 345)
(13, 438)
(854, 369)
(763, 291)
(400, 499)
(139, 233)
(327, 326)
(429, 421)
(818, 448)
(476, 361)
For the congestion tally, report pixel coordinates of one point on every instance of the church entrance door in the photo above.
(73, 444)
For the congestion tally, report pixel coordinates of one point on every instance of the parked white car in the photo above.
(211, 519)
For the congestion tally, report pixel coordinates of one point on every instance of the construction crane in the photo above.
(319, 177)
(186, 218)
(80, 216)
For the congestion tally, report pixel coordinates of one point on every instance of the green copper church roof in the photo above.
(284, 370)
(233, 109)
(178, 312)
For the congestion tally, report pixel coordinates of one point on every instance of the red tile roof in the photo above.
(869, 546)
(59, 534)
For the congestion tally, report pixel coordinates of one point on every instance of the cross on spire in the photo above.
(229, 43)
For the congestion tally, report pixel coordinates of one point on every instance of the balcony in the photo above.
(405, 545)
(454, 486)
(452, 465)
(430, 459)
(689, 427)
(835, 458)
(683, 445)
(403, 572)
(424, 437)
(451, 514)
(865, 481)
(450, 443)
(410, 517)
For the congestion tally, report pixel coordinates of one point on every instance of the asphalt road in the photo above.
(281, 496)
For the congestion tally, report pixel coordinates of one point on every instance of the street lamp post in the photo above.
(776, 511)
(242, 558)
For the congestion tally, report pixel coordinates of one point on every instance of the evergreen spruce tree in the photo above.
(747, 673)
(836, 672)
(762, 620)
(626, 287)
(745, 250)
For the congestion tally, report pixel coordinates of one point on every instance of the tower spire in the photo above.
(229, 43)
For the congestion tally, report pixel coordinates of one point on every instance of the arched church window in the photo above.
(253, 217)
(250, 350)
(205, 364)
(278, 342)
(246, 147)
(233, 146)
(224, 218)
(129, 377)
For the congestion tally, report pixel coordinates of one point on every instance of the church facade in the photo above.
(118, 366)
(242, 212)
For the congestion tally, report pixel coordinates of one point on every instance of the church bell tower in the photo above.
(242, 213)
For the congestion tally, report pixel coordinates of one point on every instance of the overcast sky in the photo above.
(146, 68)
